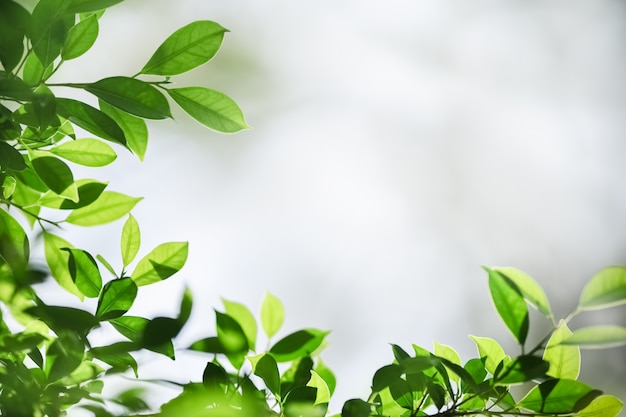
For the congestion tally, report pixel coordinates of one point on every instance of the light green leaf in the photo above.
(325, 372)
(108, 207)
(564, 360)
(510, 304)
(446, 352)
(132, 96)
(34, 72)
(186, 49)
(91, 119)
(14, 247)
(57, 261)
(213, 109)
(8, 187)
(558, 396)
(597, 337)
(244, 317)
(80, 38)
(606, 289)
(131, 240)
(56, 175)
(107, 265)
(532, 292)
(84, 271)
(164, 261)
(602, 406)
(490, 350)
(134, 128)
(272, 314)
(87, 152)
(323, 392)
(117, 298)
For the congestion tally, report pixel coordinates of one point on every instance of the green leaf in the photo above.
(602, 406)
(11, 158)
(230, 334)
(87, 152)
(244, 317)
(606, 289)
(510, 304)
(91, 119)
(63, 356)
(158, 335)
(323, 392)
(14, 89)
(559, 396)
(108, 207)
(106, 264)
(597, 337)
(9, 128)
(49, 26)
(14, 247)
(267, 369)
(532, 292)
(131, 240)
(80, 38)
(116, 299)
(325, 372)
(131, 327)
(164, 261)
(186, 304)
(214, 376)
(84, 6)
(272, 314)
(298, 344)
(57, 260)
(133, 96)
(61, 319)
(56, 175)
(356, 408)
(386, 376)
(8, 187)
(34, 72)
(490, 351)
(186, 49)
(522, 369)
(134, 128)
(88, 191)
(84, 272)
(117, 355)
(211, 108)
(564, 360)
(13, 24)
(44, 108)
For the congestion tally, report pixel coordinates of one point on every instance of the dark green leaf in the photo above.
(10, 158)
(108, 207)
(301, 401)
(230, 334)
(88, 192)
(386, 376)
(356, 408)
(117, 355)
(523, 368)
(116, 298)
(84, 272)
(80, 38)
(60, 318)
(559, 396)
(158, 335)
(133, 96)
(267, 369)
(63, 356)
(134, 128)
(91, 119)
(399, 353)
(44, 108)
(48, 29)
(186, 304)
(510, 304)
(298, 344)
(164, 261)
(84, 6)
(437, 393)
(56, 175)
(208, 345)
(9, 128)
(418, 364)
(186, 49)
(15, 89)
(244, 317)
(13, 24)
(213, 109)
(214, 376)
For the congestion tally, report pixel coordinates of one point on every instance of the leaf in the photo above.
(63, 356)
(48, 29)
(164, 261)
(88, 191)
(267, 369)
(134, 128)
(106, 264)
(84, 272)
(150, 334)
(214, 376)
(131, 327)
(297, 344)
(597, 337)
(15, 89)
(116, 298)
(132, 96)
(510, 304)
(8, 187)
(56, 175)
(522, 369)
(602, 406)
(186, 305)
(532, 292)
(211, 108)
(558, 396)
(490, 351)
(84, 6)
(91, 119)
(11, 158)
(44, 108)
(34, 72)
(117, 355)
(60, 319)
(108, 207)
(564, 360)
(323, 392)
(606, 289)
(356, 408)
(13, 24)
(325, 372)
(14, 247)
(272, 314)
(87, 152)
(386, 376)
(131, 240)
(186, 49)
(230, 334)
(80, 38)
(57, 260)
(244, 317)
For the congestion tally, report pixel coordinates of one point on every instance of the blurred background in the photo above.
(396, 147)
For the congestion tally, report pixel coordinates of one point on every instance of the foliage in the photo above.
(48, 361)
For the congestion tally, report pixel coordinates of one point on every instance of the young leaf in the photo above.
(131, 240)
(108, 207)
(87, 152)
(597, 337)
(56, 175)
(116, 298)
(80, 38)
(244, 317)
(564, 360)
(211, 108)
(134, 128)
(267, 369)
(323, 392)
(490, 351)
(57, 261)
(510, 304)
(272, 314)
(91, 119)
(606, 289)
(84, 272)
(298, 344)
(164, 261)
(602, 406)
(558, 396)
(186, 49)
(133, 96)
(106, 264)
(530, 289)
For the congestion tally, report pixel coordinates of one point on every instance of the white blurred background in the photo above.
(396, 147)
